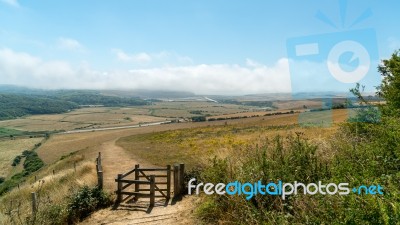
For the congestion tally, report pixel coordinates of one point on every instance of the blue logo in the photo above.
(329, 65)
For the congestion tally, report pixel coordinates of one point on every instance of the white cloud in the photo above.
(70, 44)
(163, 58)
(23, 69)
(136, 58)
(13, 3)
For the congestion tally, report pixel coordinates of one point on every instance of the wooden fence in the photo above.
(34, 195)
(145, 185)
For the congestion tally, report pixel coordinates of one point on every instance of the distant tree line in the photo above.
(248, 103)
(13, 106)
(99, 99)
(18, 105)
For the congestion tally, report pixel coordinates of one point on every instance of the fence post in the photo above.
(99, 170)
(119, 188)
(168, 182)
(182, 178)
(176, 180)
(137, 177)
(152, 192)
(34, 203)
(100, 179)
(99, 159)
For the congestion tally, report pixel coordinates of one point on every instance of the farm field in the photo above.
(82, 118)
(88, 143)
(11, 148)
(99, 117)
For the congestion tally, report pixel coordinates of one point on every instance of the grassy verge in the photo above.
(368, 157)
(195, 146)
(65, 197)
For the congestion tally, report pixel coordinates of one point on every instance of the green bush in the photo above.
(85, 201)
(16, 160)
(32, 162)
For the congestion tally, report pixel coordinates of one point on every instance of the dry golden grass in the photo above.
(53, 189)
(196, 145)
(9, 149)
(183, 109)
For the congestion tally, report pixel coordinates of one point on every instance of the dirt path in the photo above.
(116, 160)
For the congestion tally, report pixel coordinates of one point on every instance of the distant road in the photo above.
(211, 100)
(115, 128)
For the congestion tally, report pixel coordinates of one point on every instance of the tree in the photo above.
(367, 112)
(390, 86)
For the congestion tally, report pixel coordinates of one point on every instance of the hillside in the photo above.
(13, 106)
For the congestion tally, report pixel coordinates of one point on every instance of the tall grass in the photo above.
(352, 158)
(63, 198)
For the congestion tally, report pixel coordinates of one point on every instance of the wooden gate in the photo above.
(149, 183)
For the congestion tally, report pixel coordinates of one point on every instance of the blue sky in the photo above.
(207, 47)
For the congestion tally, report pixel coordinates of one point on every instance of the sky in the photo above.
(206, 47)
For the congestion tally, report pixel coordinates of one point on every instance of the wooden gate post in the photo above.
(137, 177)
(168, 182)
(152, 190)
(119, 188)
(182, 178)
(176, 180)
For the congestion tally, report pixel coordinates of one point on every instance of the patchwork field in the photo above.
(88, 143)
(82, 118)
(98, 117)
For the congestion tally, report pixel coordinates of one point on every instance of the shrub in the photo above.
(85, 201)
(198, 118)
(32, 162)
(16, 160)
